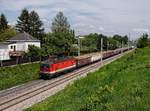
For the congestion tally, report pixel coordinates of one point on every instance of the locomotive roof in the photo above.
(52, 60)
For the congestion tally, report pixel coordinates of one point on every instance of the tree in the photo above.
(3, 23)
(112, 43)
(63, 41)
(118, 38)
(23, 24)
(47, 50)
(89, 43)
(121, 39)
(60, 23)
(125, 39)
(34, 51)
(104, 42)
(62, 36)
(143, 41)
(35, 25)
(7, 34)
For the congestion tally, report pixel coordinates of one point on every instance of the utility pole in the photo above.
(129, 41)
(107, 45)
(101, 50)
(1, 63)
(121, 46)
(118, 45)
(78, 45)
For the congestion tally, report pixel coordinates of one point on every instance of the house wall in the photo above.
(4, 53)
(23, 46)
(20, 46)
(37, 44)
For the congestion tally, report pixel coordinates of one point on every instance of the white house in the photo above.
(16, 45)
(22, 41)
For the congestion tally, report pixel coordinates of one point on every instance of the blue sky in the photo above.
(88, 16)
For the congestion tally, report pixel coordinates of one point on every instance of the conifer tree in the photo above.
(35, 25)
(3, 23)
(23, 21)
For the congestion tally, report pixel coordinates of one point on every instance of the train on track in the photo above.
(54, 66)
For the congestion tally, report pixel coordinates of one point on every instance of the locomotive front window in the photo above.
(45, 66)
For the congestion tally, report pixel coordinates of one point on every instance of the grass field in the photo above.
(123, 85)
(11, 76)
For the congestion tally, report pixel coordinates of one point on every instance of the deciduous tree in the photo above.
(143, 41)
(62, 35)
(60, 23)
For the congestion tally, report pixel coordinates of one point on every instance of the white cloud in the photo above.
(15, 5)
(141, 30)
(13, 23)
(101, 28)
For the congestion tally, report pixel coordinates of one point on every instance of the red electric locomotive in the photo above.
(54, 66)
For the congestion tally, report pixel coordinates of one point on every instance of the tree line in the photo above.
(92, 42)
(61, 39)
(143, 41)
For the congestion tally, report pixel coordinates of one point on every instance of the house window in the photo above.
(11, 47)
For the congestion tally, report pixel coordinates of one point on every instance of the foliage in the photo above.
(121, 39)
(30, 23)
(113, 44)
(46, 50)
(89, 42)
(143, 41)
(62, 37)
(34, 51)
(3, 23)
(7, 34)
(36, 25)
(63, 41)
(125, 39)
(105, 40)
(23, 21)
(60, 23)
(49, 44)
(11, 76)
(123, 85)
(6, 31)
(92, 42)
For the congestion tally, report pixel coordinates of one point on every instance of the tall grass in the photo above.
(11, 76)
(123, 85)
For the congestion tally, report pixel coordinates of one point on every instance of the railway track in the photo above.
(12, 97)
(19, 88)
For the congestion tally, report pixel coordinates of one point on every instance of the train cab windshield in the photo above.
(44, 65)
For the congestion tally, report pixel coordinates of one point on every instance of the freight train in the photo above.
(55, 66)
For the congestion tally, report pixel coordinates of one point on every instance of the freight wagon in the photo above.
(107, 54)
(83, 60)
